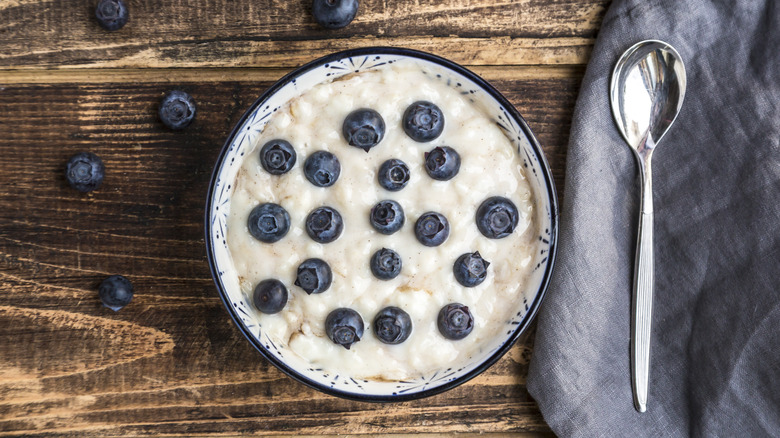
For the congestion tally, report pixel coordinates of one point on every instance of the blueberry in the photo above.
(387, 217)
(392, 325)
(277, 157)
(334, 14)
(432, 229)
(470, 269)
(115, 292)
(268, 222)
(324, 224)
(177, 110)
(85, 171)
(455, 321)
(393, 175)
(344, 327)
(322, 169)
(314, 276)
(386, 264)
(270, 296)
(423, 121)
(363, 128)
(112, 14)
(497, 217)
(442, 163)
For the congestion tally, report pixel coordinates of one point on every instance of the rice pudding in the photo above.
(420, 276)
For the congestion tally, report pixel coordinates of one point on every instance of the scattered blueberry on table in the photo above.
(334, 14)
(393, 175)
(432, 229)
(322, 169)
(455, 321)
(386, 264)
(423, 121)
(314, 276)
(363, 128)
(115, 292)
(387, 217)
(497, 217)
(470, 269)
(268, 222)
(85, 172)
(442, 163)
(112, 14)
(270, 296)
(277, 157)
(392, 325)
(324, 224)
(344, 327)
(177, 110)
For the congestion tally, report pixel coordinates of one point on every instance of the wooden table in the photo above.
(172, 362)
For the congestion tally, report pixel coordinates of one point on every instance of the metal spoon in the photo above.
(646, 93)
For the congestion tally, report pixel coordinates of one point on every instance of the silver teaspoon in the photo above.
(646, 93)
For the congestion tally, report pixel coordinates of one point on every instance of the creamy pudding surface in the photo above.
(490, 166)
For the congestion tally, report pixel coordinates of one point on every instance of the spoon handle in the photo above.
(642, 302)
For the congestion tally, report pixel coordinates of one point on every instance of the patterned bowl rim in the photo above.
(535, 146)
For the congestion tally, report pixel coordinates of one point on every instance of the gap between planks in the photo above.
(296, 435)
(201, 75)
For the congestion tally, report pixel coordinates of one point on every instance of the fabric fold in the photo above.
(715, 353)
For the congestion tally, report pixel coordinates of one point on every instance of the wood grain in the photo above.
(282, 33)
(172, 363)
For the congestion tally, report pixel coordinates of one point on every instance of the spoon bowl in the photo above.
(646, 94)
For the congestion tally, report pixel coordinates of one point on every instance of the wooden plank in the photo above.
(172, 363)
(282, 33)
(219, 53)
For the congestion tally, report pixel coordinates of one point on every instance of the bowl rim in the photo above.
(535, 146)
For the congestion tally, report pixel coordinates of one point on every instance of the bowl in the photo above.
(246, 133)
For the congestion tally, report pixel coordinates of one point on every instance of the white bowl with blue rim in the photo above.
(246, 133)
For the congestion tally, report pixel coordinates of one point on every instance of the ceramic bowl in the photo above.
(244, 136)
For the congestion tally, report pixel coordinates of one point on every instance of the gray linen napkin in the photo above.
(715, 353)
